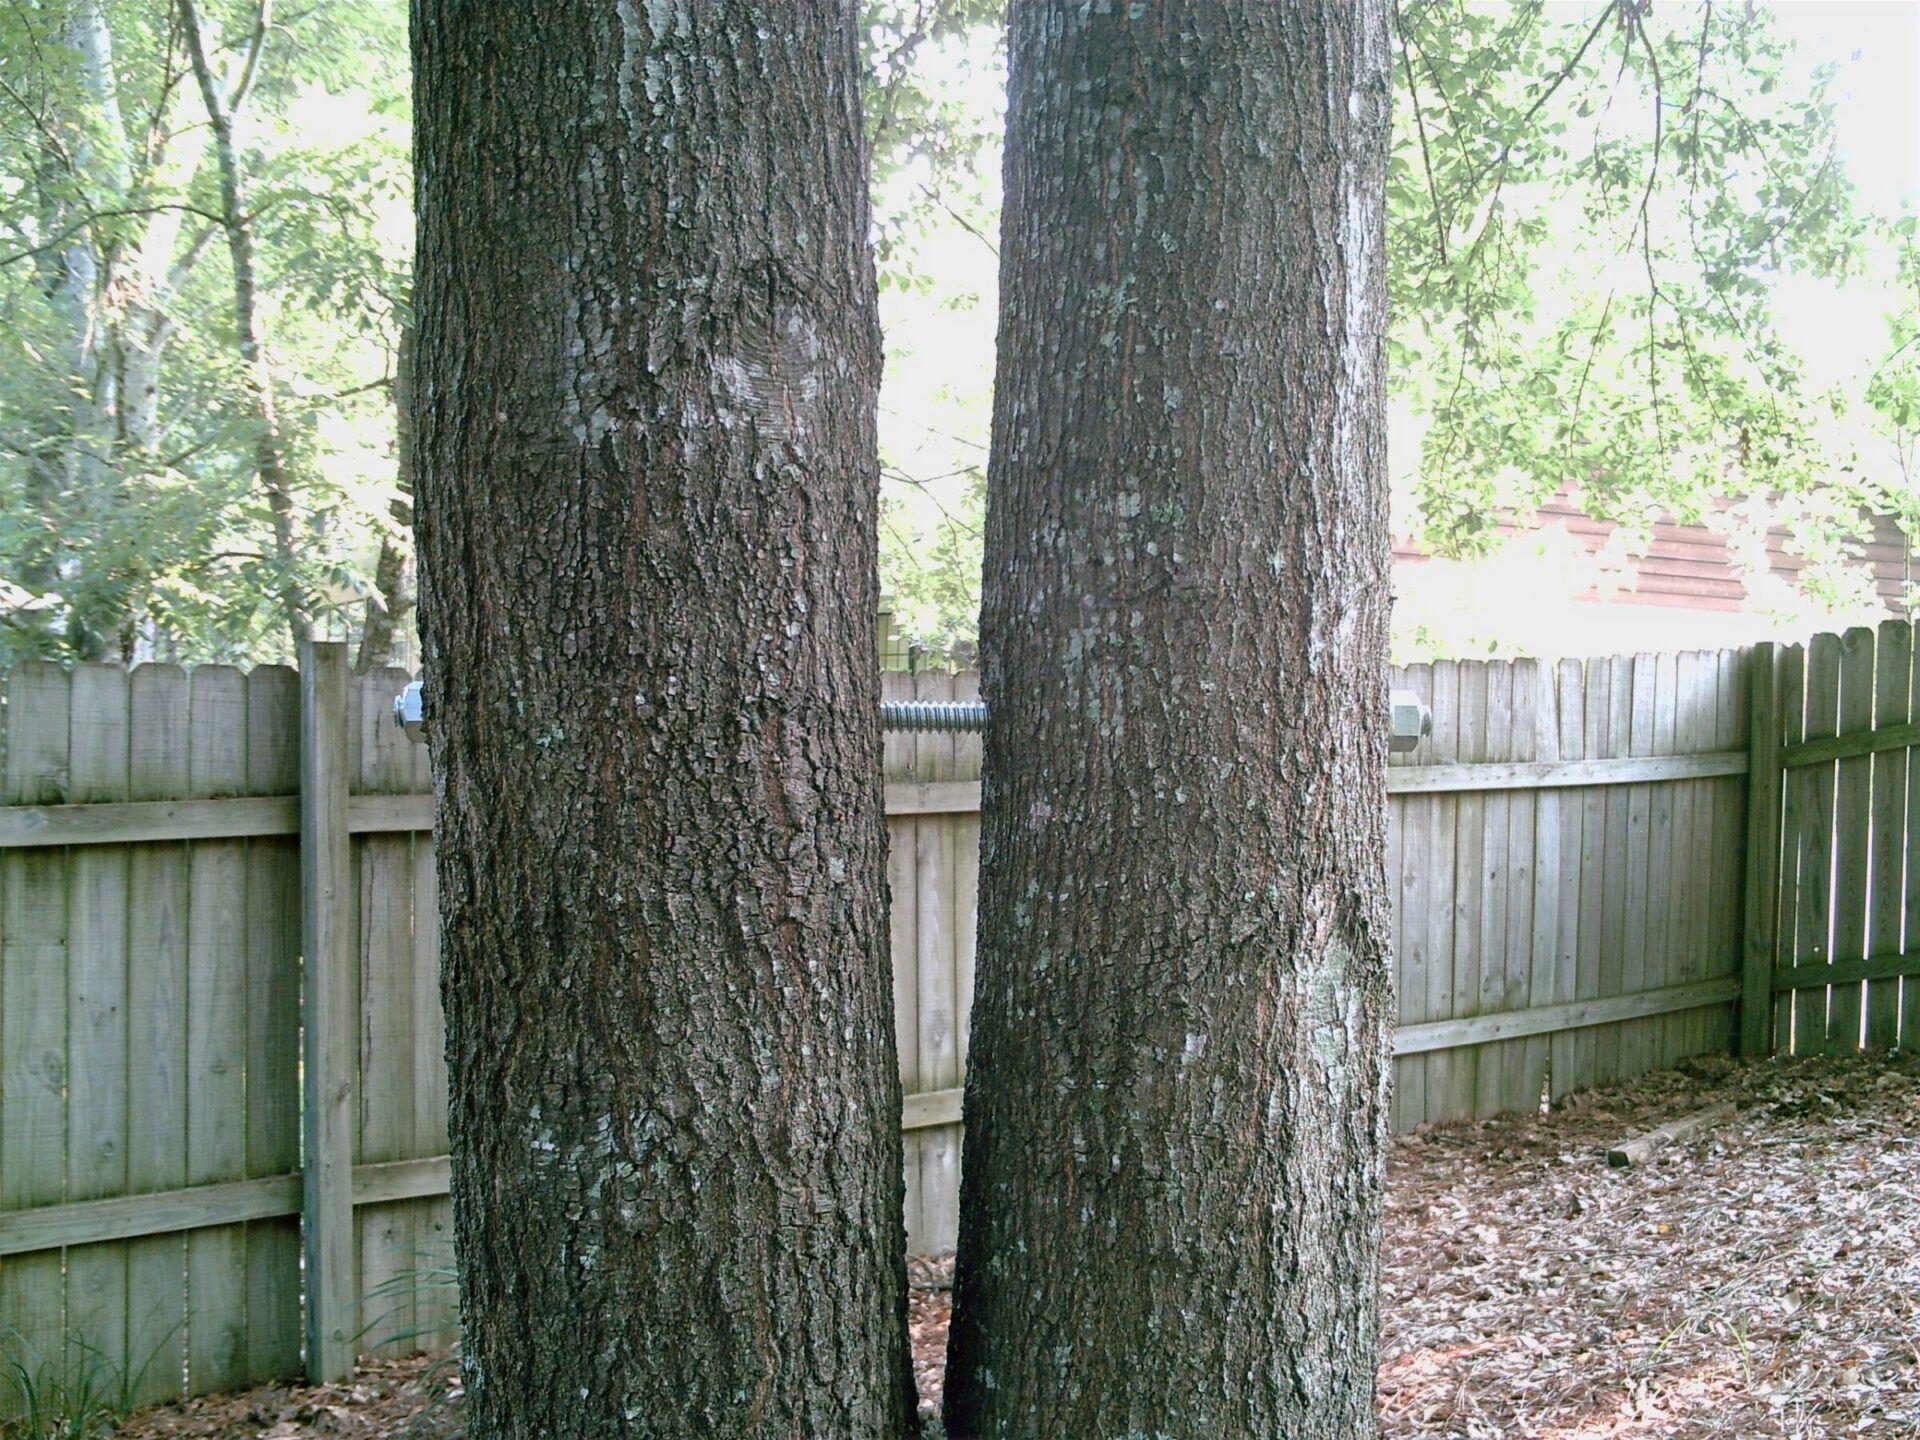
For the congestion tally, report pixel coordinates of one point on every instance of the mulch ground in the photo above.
(1761, 1280)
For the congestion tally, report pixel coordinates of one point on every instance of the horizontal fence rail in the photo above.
(42, 826)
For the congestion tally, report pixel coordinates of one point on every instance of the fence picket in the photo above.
(96, 1310)
(33, 1010)
(1489, 963)
(1438, 891)
(390, 1257)
(1571, 706)
(1795, 798)
(1412, 832)
(1721, 924)
(1595, 839)
(1534, 981)
(1853, 799)
(1460, 1074)
(273, 1024)
(217, 1031)
(1813, 945)
(896, 758)
(157, 909)
(938, 1049)
(1892, 682)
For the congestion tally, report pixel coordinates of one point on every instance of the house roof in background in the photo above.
(1693, 566)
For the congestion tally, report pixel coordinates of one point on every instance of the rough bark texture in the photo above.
(647, 370)
(1175, 1110)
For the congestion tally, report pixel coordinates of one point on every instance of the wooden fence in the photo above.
(1833, 920)
(1568, 860)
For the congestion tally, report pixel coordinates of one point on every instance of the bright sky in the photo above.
(1876, 44)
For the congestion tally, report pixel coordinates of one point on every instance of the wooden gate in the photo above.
(1833, 917)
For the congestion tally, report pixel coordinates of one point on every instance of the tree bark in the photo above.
(648, 358)
(1175, 1107)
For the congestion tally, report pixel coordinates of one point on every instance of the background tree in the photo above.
(1175, 1106)
(1594, 212)
(646, 374)
(198, 302)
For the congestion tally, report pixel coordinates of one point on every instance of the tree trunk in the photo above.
(269, 449)
(1175, 1110)
(391, 604)
(648, 358)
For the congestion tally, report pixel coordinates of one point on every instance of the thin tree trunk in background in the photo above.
(386, 614)
(269, 450)
(647, 369)
(1176, 1101)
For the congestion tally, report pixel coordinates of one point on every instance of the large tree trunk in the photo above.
(647, 372)
(1175, 1110)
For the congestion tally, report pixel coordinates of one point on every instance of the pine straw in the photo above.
(1762, 1280)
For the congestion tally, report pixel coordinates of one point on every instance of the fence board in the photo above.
(157, 910)
(1813, 944)
(329, 1008)
(96, 1307)
(897, 760)
(1596, 683)
(217, 1032)
(1614, 739)
(1909, 987)
(1892, 682)
(1488, 963)
(33, 1009)
(1853, 799)
(1694, 843)
(1537, 981)
(939, 1054)
(1459, 1090)
(1570, 700)
(1439, 889)
(390, 1249)
(1409, 867)
(273, 1024)
(1509, 1061)
(1722, 902)
(1794, 786)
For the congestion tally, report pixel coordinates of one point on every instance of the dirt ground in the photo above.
(1761, 1280)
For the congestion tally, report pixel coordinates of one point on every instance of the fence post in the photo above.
(1763, 851)
(327, 927)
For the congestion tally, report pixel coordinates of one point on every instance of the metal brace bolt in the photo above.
(1409, 718)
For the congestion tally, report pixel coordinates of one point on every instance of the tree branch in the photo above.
(250, 67)
(84, 221)
(1420, 126)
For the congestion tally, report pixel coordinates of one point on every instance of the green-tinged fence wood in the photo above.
(33, 1005)
(1759, 942)
(1852, 847)
(1892, 681)
(97, 1099)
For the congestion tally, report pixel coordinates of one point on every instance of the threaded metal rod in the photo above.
(925, 715)
(1410, 718)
